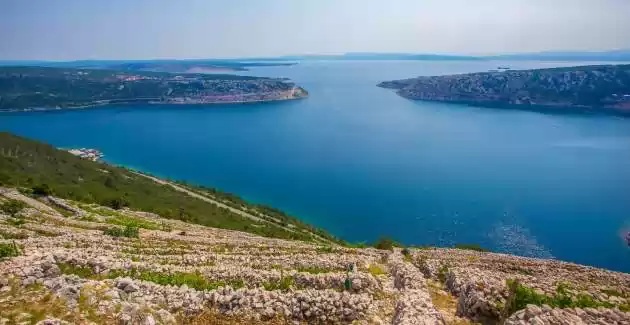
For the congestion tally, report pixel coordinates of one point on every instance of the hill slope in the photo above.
(80, 263)
(66, 258)
(28, 164)
(576, 89)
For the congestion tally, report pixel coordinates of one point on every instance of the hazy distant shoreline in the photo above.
(51, 109)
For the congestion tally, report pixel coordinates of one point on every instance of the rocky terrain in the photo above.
(67, 262)
(596, 89)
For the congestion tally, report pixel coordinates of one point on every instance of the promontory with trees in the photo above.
(44, 88)
(590, 89)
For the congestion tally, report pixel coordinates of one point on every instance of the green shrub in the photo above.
(16, 221)
(9, 250)
(115, 203)
(284, 284)
(520, 296)
(41, 190)
(385, 243)
(442, 271)
(12, 207)
(471, 247)
(126, 221)
(78, 270)
(10, 235)
(128, 231)
(325, 249)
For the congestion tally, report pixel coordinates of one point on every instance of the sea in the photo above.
(362, 162)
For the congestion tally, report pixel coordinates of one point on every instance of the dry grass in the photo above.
(213, 317)
(376, 270)
(446, 304)
(33, 303)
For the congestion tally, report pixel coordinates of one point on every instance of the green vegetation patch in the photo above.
(9, 250)
(127, 221)
(78, 270)
(194, 280)
(283, 284)
(521, 295)
(13, 235)
(12, 207)
(471, 247)
(128, 231)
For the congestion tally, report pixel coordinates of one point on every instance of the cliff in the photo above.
(598, 89)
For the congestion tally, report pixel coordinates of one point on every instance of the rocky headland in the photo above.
(593, 89)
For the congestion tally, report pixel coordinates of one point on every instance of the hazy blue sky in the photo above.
(111, 29)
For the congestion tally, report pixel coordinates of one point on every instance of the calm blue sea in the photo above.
(362, 162)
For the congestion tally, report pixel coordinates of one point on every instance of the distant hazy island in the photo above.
(598, 89)
(45, 88)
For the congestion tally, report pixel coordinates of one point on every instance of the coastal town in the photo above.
(43, 88)
(89, 154)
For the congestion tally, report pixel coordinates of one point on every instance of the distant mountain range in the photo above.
(240, 64)
(616, 55)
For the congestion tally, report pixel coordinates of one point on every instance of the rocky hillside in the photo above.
(598, 89)
(64, 261)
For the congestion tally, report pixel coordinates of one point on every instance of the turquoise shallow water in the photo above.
(362, 162)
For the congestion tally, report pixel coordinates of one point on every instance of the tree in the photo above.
(42, 190)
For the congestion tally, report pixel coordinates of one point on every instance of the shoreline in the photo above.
(148, 102)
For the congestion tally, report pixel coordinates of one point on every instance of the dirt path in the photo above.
(225, 206)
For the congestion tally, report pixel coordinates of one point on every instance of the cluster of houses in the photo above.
(90, 154)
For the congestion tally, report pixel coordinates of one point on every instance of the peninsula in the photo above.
(44, 88)
(593, 89)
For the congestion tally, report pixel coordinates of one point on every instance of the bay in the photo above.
(362, 162)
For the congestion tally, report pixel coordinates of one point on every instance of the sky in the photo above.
(149, 29)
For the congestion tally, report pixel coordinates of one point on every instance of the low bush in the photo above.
(385, 243)
(442, 272)
(521, 295)
(12, 207)
(127, 221)
(41, 190)
(284, 284)
(128, 231)
(9, 250)
(115, 203)
(85, 272)
(471, 247)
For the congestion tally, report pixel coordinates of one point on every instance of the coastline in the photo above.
(303, 94)
(537, 108)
